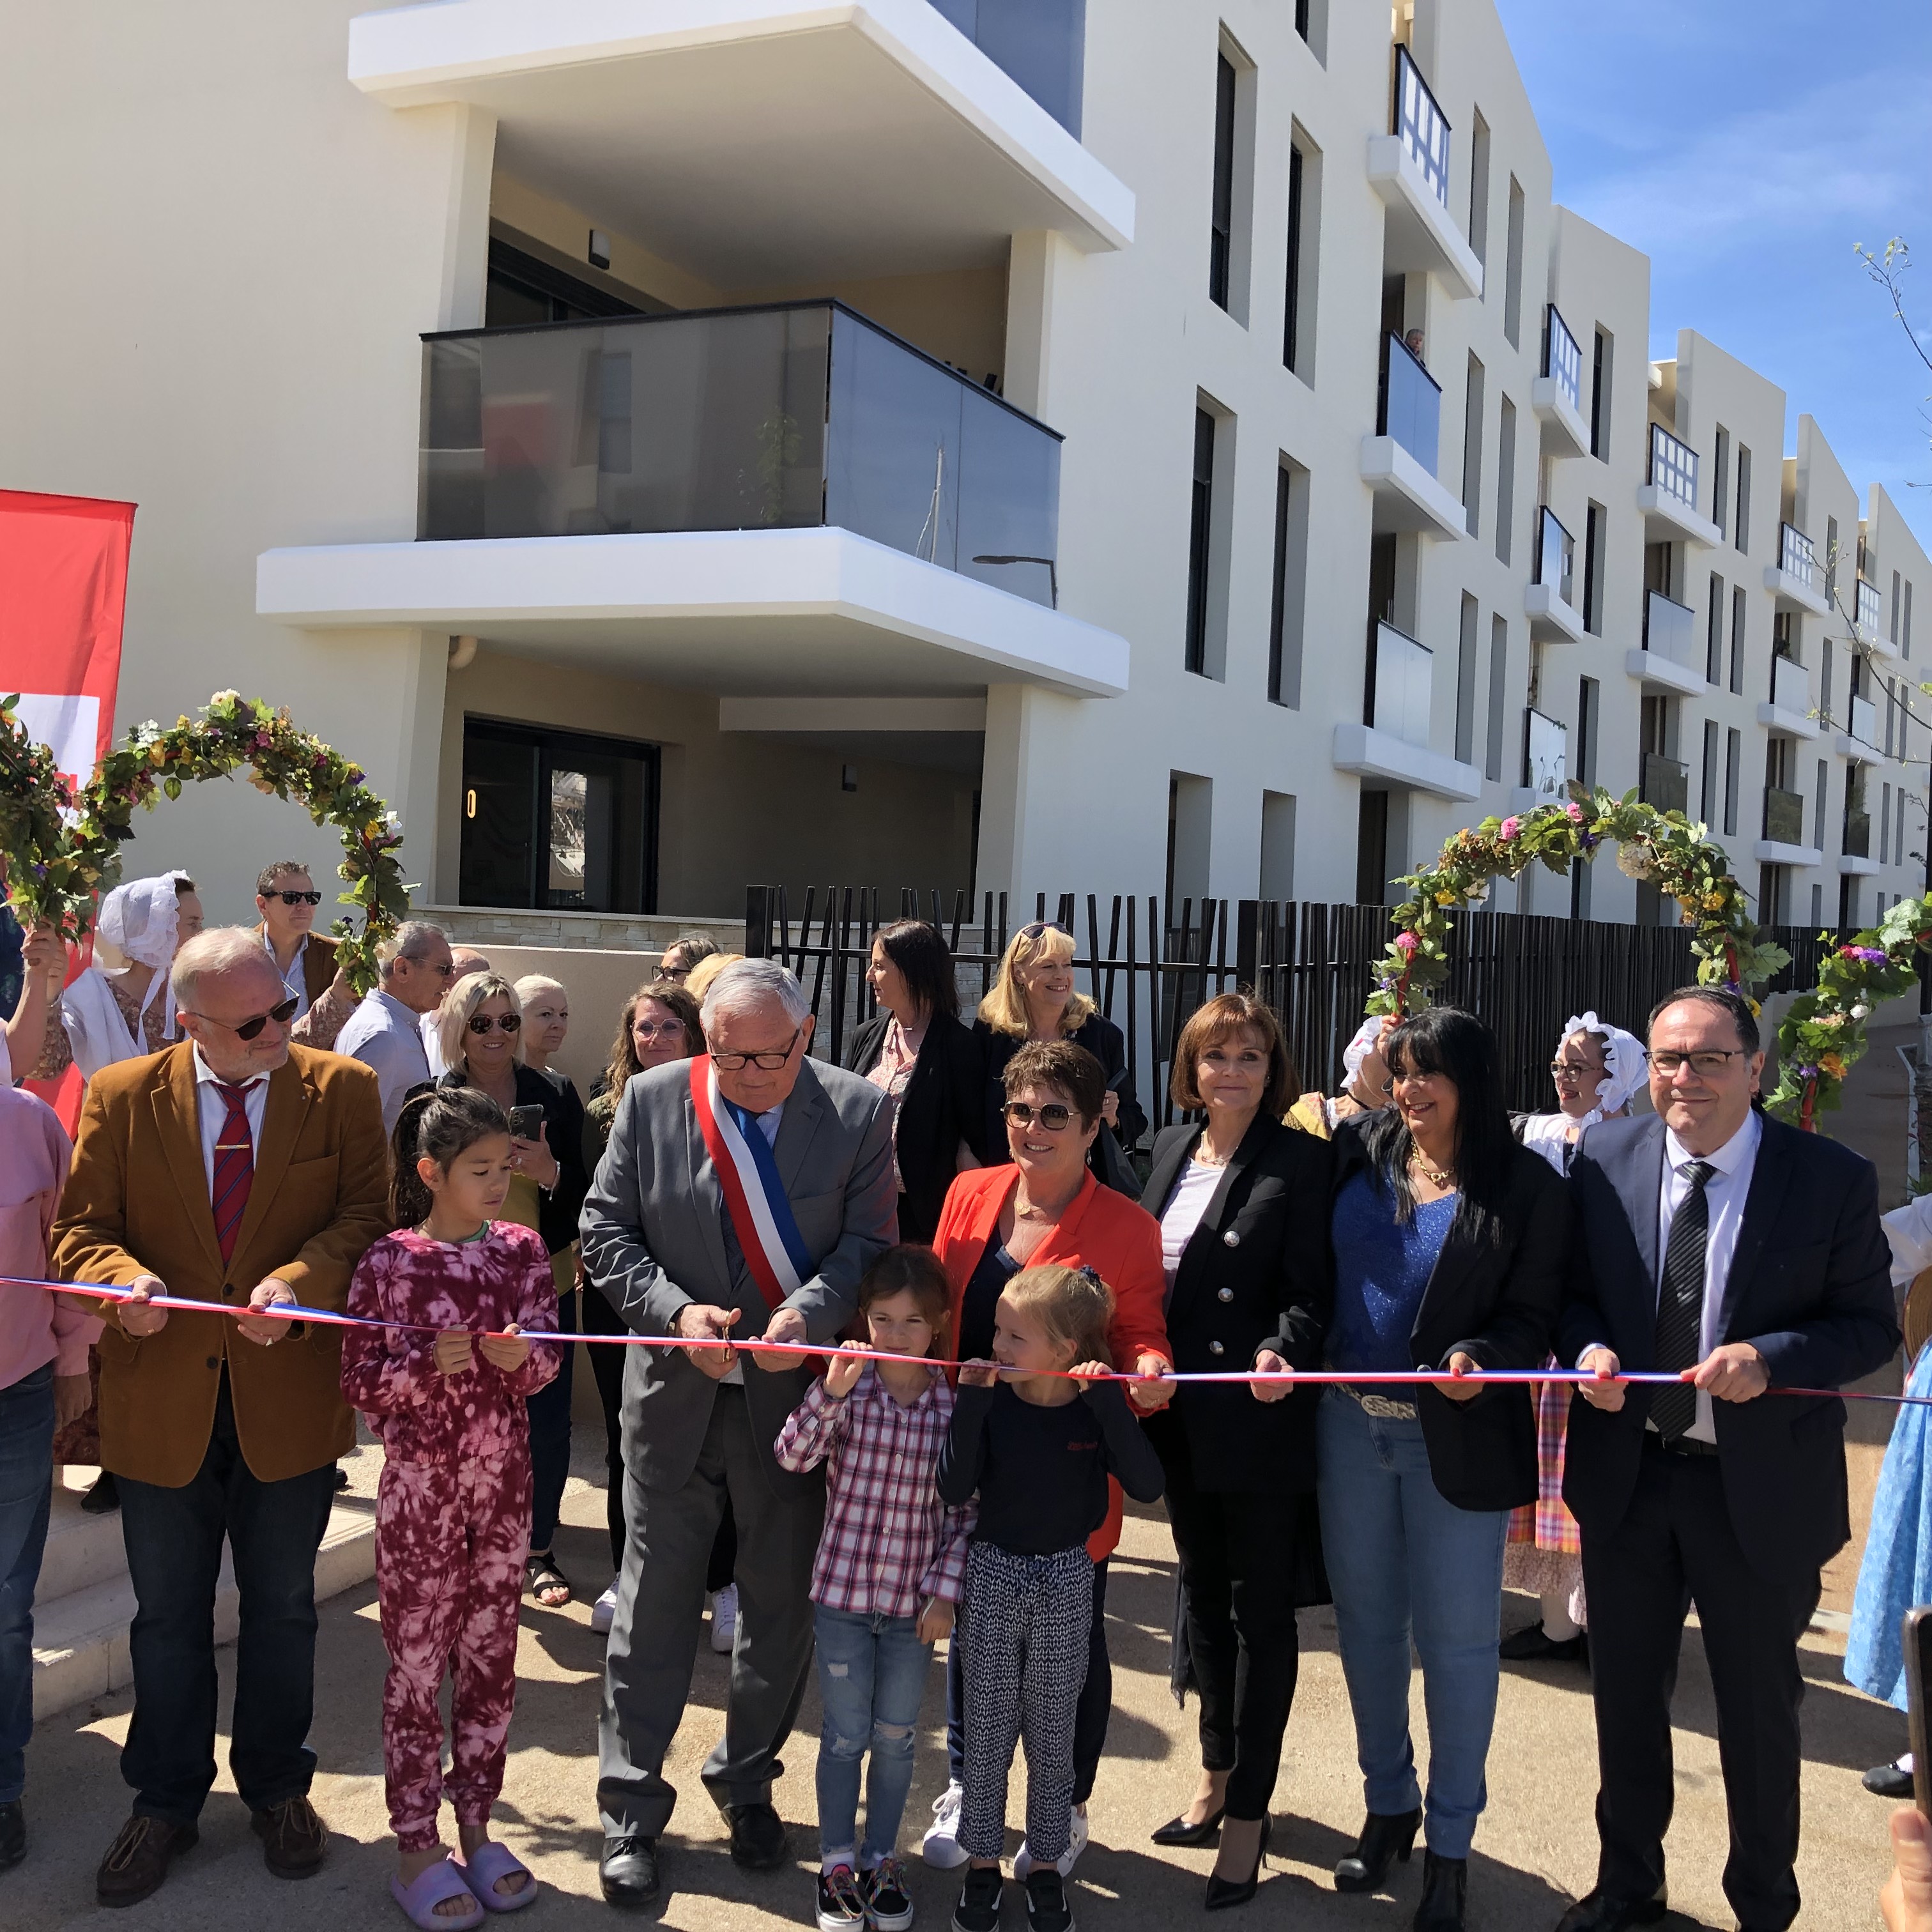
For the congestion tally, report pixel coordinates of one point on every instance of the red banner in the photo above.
(63, 596)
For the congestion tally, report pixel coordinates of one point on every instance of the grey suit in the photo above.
(656, 1237)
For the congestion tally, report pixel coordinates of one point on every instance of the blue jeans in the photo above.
(26, 1492)
(1402, 1562)
(871, 1677)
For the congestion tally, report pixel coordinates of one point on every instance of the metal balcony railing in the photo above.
(1783, 816)
(1791, 686)
(1673, 466)
(1867, 609)
(1409, 405)
(1545, 755)
(798, 415)
(1404, 680)
(1555, 555)
(1858, 834)
(1040, 43)
(1664, 783)
(1562, 360)
(1670, 630)
(1795, 557)
(1421, 124)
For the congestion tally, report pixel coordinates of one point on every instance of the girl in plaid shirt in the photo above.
(891, 1565)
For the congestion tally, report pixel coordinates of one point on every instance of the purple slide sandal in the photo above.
(442, 1881)
(484, 1866)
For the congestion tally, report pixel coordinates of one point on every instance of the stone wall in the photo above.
(644, 932)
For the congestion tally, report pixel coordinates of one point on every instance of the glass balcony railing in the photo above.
(1409, 407)
(1858, 834)
(1664, 783)
(1673, 466)
(1555, 556)
(1545, 755)
(1670, 630)
(1405, 673)
(1864, 721)
(1791, 686)
(1562, 360)
(1421, 125)
(1795, 557)
(1868, 608)
(1040, 43)
(784, 418)
(1783, 816)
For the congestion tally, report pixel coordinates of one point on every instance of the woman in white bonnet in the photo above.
(1364, 1084)
(1597, 1069)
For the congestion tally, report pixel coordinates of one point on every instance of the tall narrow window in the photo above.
(1741, 526)
(1221, 237)
(1200, 536)
(1372, 867)
(1466, 684)
(1506, 481)
(1585, 772)
(1707, 777)
(1897, 600)
(1905, 624)
(1472, 446)
(1277, 880)
(1818, 806)
(1291, 584)
(1734, 752)
(1479, 187)
(1291, 342)
(1304, 255)
(1714, 633)
(1884, 825)
(1720, 480)
(1831, 559)
(1513, 270)
(1740, 605)
(1600, 396)
(1594, 517)
(1825, 678)
(1493, 758)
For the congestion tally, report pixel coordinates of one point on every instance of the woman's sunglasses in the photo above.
(1039, 928)
(252, 1029)
(295, 898)
(1053, 1117)
(483, 1023)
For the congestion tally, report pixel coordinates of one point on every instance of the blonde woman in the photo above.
(1034, 999)
(697, 981)
(480, 1026)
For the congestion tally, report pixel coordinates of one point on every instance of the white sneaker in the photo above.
(1076, 1843)
(725, 1619)
(603, 1611)
(941, 1847)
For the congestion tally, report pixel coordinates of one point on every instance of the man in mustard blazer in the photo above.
(232, 1168)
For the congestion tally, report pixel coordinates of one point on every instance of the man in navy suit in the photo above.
(1722, 1244)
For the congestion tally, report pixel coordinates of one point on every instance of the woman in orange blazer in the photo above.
(1046, 1206)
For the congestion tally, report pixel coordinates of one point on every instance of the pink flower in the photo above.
(1509, 828)
(1575, 810)
(1406, 942)
(263, 740)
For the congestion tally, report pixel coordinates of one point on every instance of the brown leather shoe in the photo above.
(139, 1858)
(294, 1841)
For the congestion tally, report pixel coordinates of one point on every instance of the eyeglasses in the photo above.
(1572, 1070)
(295, 898)
(1413, 1080)
(480, 1024)
(769, 1060)
(666, 976)
(251, 1029)
(664, 1030)
(1039, 928)
(1052, 1116)
(1709, 1061)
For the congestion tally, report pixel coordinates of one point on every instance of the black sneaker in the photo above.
(1047, 1908)
(888, 1902)
(841, 1905)
(978, 1907)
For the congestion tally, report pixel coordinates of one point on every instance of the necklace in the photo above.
(1436, 1177)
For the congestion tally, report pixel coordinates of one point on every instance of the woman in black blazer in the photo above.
(1449, 1243)
(1242, 1203)
(917, 1049)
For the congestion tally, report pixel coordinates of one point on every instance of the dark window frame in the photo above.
(1221, 212)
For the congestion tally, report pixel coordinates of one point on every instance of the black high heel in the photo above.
(1443, 1883)
(1179, 1831)
(1223, 1892)
(1386, 1838)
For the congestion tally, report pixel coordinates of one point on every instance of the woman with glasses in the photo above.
(1044, 1204)
(1597, 1069)
(682, 955)
(481, 1030)
(916, 1049)
(1034, 999)
(1450, 1240)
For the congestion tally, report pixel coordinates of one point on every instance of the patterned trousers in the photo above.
(450, 1542)
(1026, 1633)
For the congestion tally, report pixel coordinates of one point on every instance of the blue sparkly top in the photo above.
(1382, 1267)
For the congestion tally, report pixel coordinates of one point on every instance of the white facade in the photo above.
(1289, 638)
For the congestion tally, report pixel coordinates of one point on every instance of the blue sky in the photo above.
(1745, 145)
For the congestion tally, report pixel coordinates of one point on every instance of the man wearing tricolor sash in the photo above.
(742, 1195)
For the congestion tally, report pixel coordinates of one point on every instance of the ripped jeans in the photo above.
(871, 1678)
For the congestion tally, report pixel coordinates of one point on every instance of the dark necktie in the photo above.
(234, 1169)
(1680, 1303)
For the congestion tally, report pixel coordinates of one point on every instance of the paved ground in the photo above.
(1535, 1848)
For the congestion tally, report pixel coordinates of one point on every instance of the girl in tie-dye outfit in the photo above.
(452, 1516)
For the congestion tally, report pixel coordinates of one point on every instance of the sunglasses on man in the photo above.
(295, 898)
(251, 1029)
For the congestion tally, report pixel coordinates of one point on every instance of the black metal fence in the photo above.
(1148, 965)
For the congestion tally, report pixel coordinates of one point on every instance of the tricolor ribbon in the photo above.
(754, 1197)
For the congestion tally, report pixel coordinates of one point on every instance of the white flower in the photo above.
(1861, 1012)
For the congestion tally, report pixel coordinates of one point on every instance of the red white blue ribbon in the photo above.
(754, 1197)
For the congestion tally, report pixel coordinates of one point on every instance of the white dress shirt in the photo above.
(382, 1033)
(1726, 1192)
(214, 1112)
(294, 982)
(430, 1026)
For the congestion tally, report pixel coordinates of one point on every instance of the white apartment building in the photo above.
(676, 443)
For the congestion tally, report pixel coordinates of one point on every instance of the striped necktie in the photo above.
(1680, 1303)
(234, 1168)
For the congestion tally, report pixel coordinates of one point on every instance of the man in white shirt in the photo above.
(385, 1031)
(1747, 1256)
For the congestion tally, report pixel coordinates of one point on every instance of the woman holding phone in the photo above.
(480, 1029)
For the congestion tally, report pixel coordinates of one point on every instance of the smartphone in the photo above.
(1916, 1628)
(525, 1122)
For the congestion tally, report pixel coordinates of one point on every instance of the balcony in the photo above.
(1556, 394)
(1665, 783)
(1858, 835)
(1791, 706)
(1393, 745)
(1545, 761)
(1860, 740)
(1399, 460)
(1547, 600)
(1794, 580)
(1671, 659)
(756, 142)
(1782, 843)
(1870, 623)
(1408, 167)
(1669, 497)
(776, 500)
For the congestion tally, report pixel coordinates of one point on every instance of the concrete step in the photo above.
(80, 1624)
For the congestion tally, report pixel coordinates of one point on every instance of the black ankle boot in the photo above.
(1385, 1838)
(1443, 1883)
